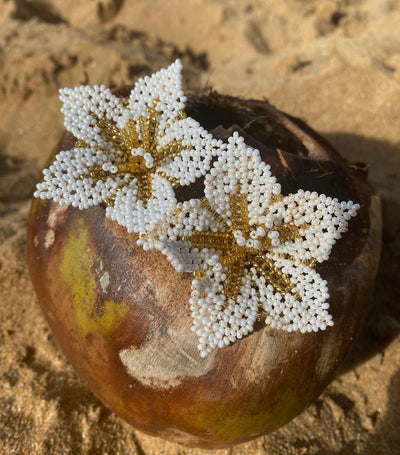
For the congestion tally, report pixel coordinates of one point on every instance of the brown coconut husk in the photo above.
(106, 299)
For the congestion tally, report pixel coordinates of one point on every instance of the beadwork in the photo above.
(252, 250)
(130, 153)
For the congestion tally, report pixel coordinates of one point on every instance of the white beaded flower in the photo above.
(252, 250)
(130, 153)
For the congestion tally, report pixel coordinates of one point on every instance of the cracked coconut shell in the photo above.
(122, 318)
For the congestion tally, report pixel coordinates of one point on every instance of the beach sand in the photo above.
(335, 64)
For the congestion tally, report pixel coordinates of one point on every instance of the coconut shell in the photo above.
(121, 315)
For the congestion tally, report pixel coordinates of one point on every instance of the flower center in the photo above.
(243, 246)
(139, 162)
(258, 239)
(135, 157)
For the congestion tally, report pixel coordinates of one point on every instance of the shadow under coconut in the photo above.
(387, 424)
(382, 158)
(382, 323)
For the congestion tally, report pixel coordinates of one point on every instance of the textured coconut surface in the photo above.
(334, 64)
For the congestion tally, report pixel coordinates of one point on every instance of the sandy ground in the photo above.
(335, 64)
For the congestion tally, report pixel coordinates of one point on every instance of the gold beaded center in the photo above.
(124, 140)
(235, 257)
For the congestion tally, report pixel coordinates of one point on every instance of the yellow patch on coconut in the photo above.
(76, 271)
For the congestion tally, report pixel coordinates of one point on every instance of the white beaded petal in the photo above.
(199, 148)
(307, 314)
(321, 221)
(218, 321)
(67, 180)
(131, 213)
(84, 106)
(162, 90)
(242, 170)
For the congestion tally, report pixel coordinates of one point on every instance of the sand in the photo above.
(335, 64)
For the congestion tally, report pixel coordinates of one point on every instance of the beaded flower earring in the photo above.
(252, 251)
(130, 153)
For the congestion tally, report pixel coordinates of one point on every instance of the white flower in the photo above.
(130, 153)
(252, 250)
